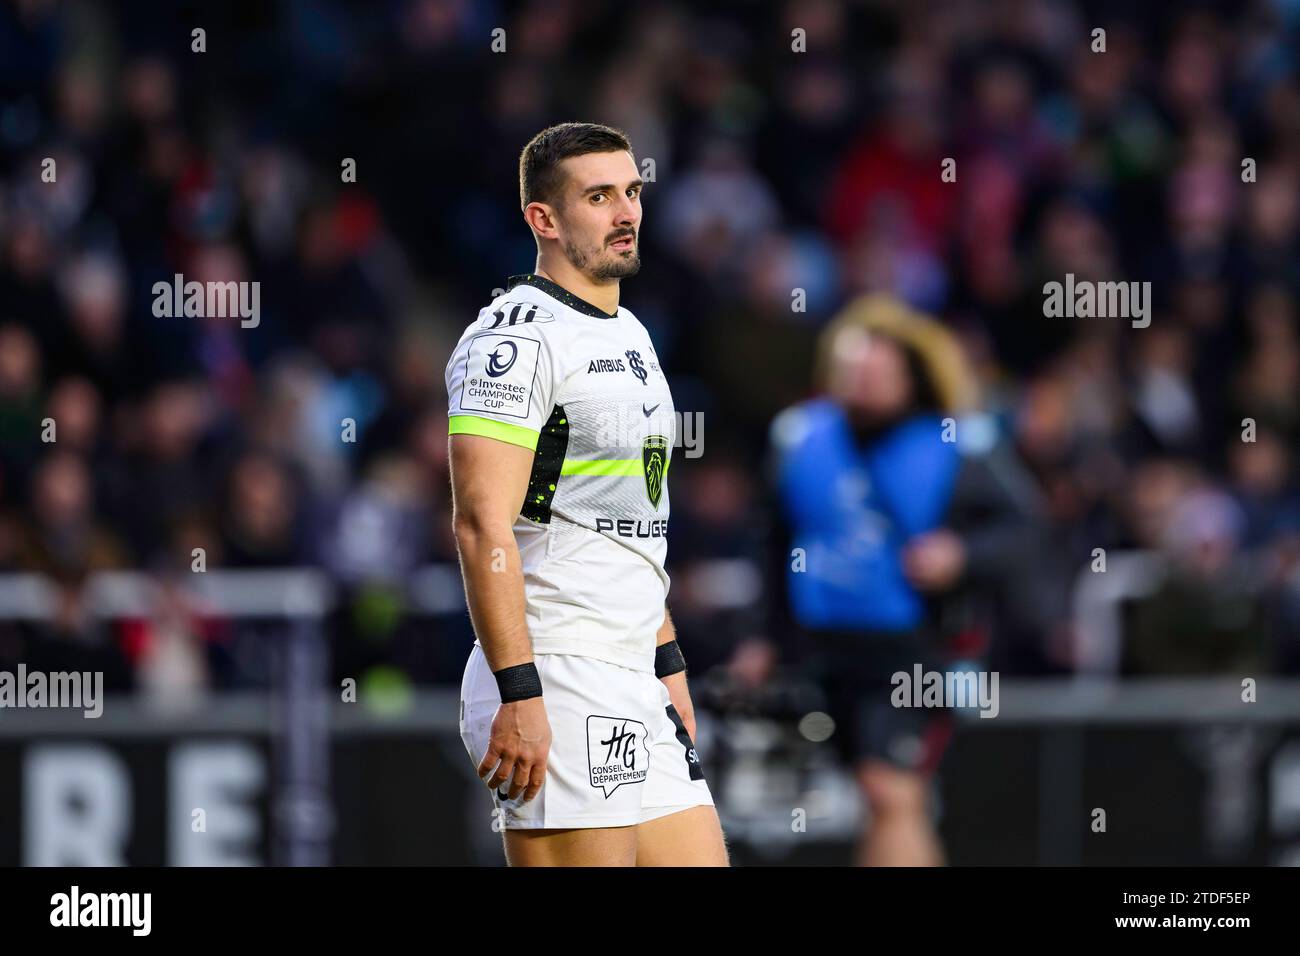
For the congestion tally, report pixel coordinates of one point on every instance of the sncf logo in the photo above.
(516, 313)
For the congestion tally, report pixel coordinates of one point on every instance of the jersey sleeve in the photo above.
(502, 384)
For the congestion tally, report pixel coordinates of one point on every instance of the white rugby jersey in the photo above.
(546, 370)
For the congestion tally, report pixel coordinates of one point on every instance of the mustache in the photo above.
(621, 235)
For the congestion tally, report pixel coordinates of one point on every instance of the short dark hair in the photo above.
(539, 164)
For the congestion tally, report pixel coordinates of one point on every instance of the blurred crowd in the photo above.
(772, 171)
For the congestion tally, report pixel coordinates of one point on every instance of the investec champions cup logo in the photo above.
(502, 358)
(654, 458)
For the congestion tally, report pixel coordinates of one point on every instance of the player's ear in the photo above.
(541, 218)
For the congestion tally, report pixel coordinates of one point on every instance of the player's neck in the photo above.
(603, 297)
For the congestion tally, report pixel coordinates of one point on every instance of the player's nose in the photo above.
(627, 213)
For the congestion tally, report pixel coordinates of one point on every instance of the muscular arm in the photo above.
(489, 479)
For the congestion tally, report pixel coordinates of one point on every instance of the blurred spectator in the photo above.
(262, 517)
(782, 186)
(1205, 617)
(64, 538)
(20, 404)
(891, 531)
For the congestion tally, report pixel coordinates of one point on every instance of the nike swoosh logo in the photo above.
(649, 411)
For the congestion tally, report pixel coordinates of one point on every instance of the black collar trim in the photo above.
(559, 293)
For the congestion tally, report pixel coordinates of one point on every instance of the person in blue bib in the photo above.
(864, 476)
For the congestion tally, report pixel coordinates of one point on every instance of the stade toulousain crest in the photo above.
(654, 456)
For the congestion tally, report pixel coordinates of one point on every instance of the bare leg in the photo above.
(690, 837)
(597, 846)
(901, 832)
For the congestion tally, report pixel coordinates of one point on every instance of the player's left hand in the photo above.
(934, 561)
(680, 696)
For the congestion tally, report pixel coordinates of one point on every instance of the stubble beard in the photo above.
(600, 266)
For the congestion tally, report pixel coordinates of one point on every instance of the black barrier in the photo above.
(139, 788)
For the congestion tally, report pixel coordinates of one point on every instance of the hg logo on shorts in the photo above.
(616, 752)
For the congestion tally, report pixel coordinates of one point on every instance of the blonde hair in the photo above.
(929, 340)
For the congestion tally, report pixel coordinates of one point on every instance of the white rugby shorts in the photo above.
(619, 752)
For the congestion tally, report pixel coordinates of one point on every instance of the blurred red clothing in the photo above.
(878, 168)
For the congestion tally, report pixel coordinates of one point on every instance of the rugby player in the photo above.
(574, 704)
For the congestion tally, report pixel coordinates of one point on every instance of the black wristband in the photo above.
(668, 659)
(518, 683)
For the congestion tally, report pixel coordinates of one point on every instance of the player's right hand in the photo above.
(517, 748)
